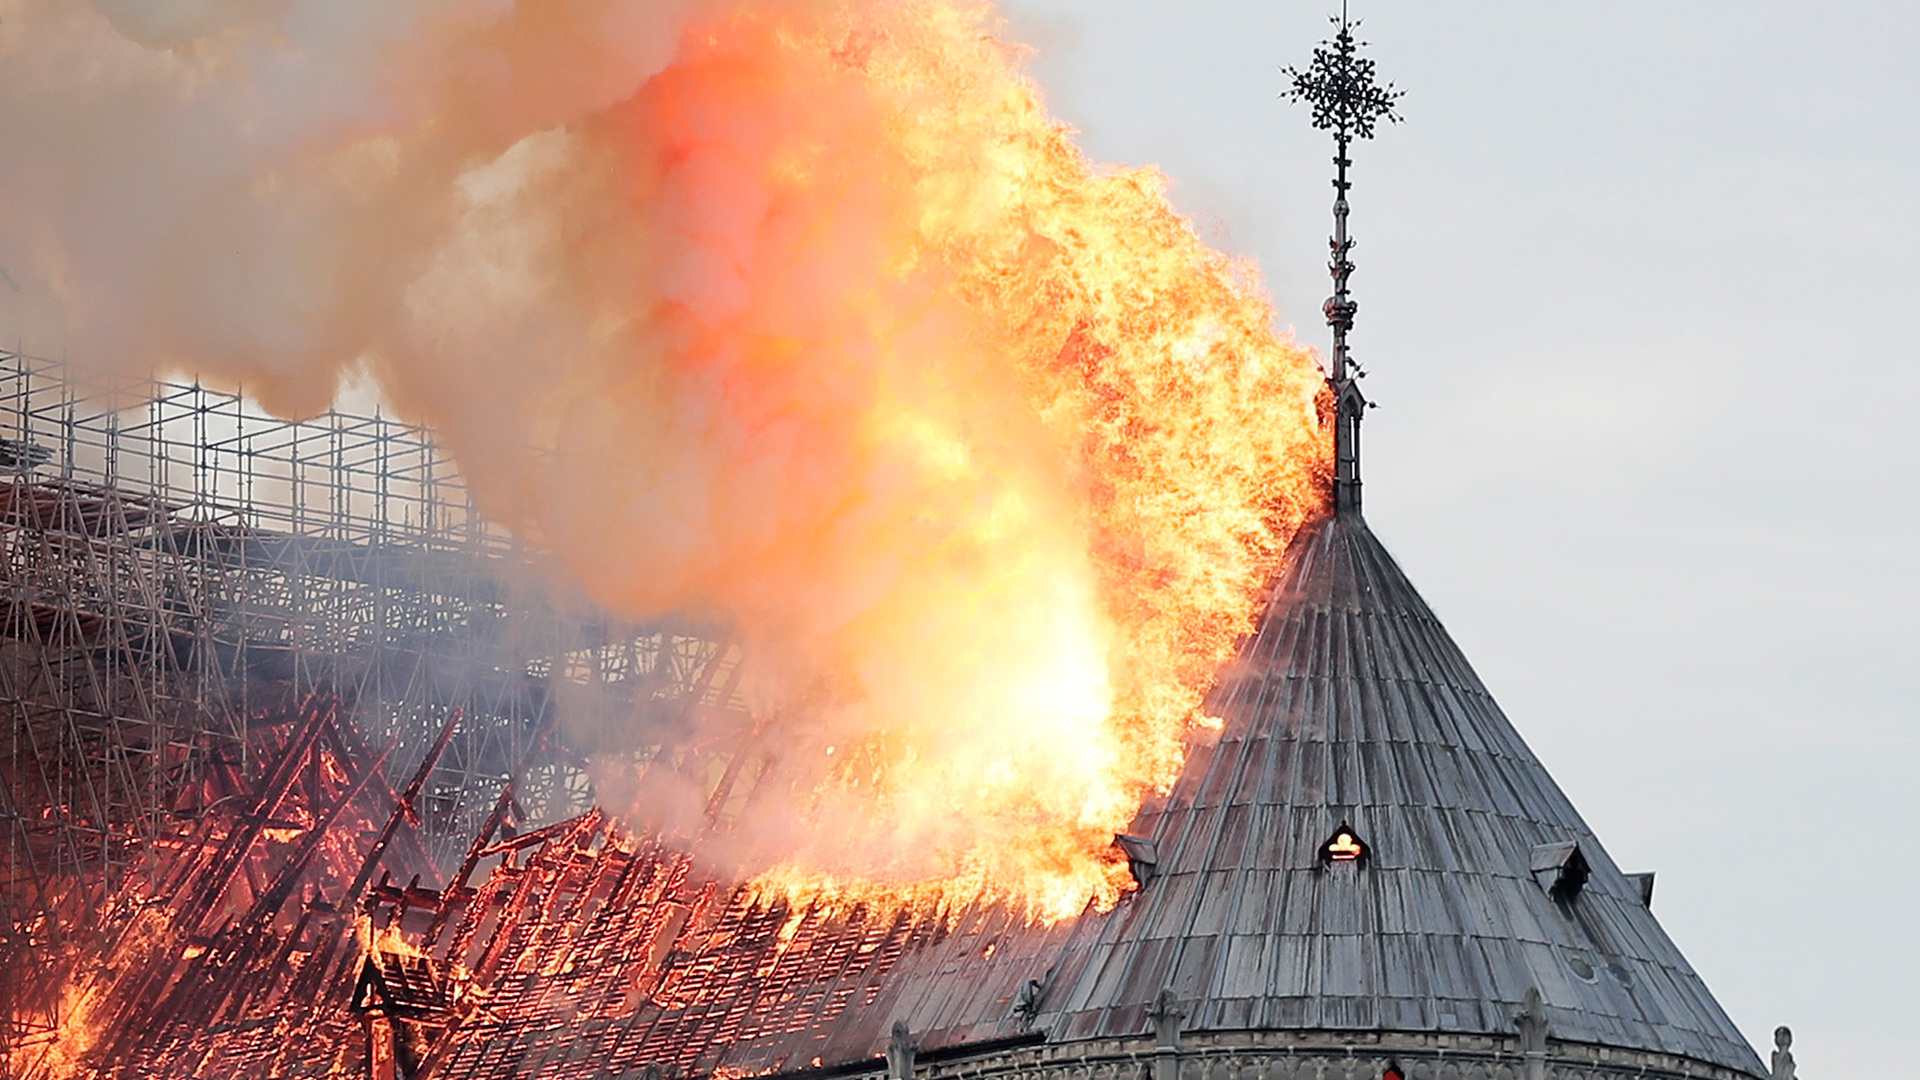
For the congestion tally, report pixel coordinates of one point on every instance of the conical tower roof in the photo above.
(1352, 706)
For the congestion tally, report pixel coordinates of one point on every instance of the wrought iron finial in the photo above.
(1346, 100)
(1339, 85)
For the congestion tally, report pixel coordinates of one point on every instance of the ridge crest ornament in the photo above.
(1339, 85)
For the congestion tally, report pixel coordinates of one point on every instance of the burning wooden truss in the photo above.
(220, 635)
(199, 939)
(593, 952)
(587, 951)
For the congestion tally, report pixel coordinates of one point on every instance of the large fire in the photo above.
(800, 313)
(996, 452)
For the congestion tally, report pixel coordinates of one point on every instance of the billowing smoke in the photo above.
(798, 313)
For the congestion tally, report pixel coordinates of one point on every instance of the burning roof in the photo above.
(590, 951)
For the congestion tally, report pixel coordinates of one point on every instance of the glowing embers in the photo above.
(1344, 846)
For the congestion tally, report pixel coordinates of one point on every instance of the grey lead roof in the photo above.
(1352, 705)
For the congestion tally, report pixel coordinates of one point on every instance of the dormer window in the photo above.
(1344, 846)
(1143, 857)
(1560, 869)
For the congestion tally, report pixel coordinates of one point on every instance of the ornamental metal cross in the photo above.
(1339, 85)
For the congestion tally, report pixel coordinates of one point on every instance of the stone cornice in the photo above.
(1314, 1055)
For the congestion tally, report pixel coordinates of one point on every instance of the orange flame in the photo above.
(986, 453)
(75, 1032)
(385, 939)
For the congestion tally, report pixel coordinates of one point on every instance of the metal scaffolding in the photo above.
(188, 582)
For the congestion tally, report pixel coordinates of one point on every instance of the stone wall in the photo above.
(1316, 1056)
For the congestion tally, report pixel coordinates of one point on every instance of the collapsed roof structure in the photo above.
(234, 652)
(284, 798)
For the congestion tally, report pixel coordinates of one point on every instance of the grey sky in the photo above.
(1635, 284)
